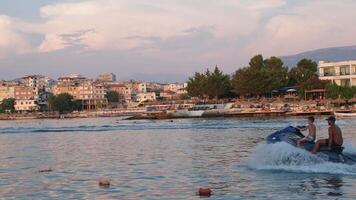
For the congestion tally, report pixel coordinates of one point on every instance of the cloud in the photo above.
(77, 40)
(176, 35)
(12, 41)
(315, 24)
(115, 22)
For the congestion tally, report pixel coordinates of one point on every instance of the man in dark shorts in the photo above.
(335, 139)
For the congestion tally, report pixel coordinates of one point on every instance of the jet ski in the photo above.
(292, 134)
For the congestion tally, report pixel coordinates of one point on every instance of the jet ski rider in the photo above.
(335, 140)
(312, 132)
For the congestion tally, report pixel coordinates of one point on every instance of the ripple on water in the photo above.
(165, 160)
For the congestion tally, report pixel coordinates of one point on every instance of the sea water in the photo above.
(167, 160)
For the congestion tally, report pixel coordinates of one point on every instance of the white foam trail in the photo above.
(349, 149)
(283, 156)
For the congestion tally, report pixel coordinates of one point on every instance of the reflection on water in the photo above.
(327, 185)
(161, 160)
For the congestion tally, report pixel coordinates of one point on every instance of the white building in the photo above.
(26, 105)
(141, 87)
(179, 88)
(342, 73)
(148, 96)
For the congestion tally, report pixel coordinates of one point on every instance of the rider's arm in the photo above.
(302, 128)
(330, 138)
(312, 131)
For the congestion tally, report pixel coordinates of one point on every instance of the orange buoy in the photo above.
(205, 192)
(104, 182)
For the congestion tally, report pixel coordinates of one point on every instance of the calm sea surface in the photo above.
(167, 160)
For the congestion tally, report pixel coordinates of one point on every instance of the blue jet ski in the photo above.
(291, 135)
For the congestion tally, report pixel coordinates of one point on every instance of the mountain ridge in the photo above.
(332, 54)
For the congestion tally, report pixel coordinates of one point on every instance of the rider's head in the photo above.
(311, 119)
(331, 120)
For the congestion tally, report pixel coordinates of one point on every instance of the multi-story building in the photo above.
(154, 87)
(140, 87)
(178, 88)
(92, 95)
(137, 86)
(89, 92)
(26, 105)
(69, 84)
(120, 88)
(26, 98)
(72, 78)
(107, 77)
(168, 95)
(6, 92)
(23, 92)
(43, 83)
(342, 73)
(148, 96)
(67, 87)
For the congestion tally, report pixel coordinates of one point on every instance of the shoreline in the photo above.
(233, 115)
(73, 115)
(156, 116)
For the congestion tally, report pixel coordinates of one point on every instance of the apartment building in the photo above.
(342, 73)
(122, 89)
(6, 92)
(178, 88)
(89, 92)
(43, 83)
(72, 78)
(137, 86)
(148, 96)
(154, 87)
(169, 95)
(110, 77)
(26, 105)
(23, 92)
(67, 87)
(26, 98)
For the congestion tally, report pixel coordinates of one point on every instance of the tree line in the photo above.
(334, 91)
(260, 78)
(7, 105)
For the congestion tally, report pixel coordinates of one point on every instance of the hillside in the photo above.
(326, 54)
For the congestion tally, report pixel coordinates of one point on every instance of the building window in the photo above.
(345, 82)
(345, 70)
(329, 71)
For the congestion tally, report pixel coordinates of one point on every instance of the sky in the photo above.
(167, 40)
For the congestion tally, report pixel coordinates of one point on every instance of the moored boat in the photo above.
(201, 110)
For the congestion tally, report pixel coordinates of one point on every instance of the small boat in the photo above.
(291, 135)
(201, 110)
(186, 113)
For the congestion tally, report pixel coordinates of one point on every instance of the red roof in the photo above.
(112, 85)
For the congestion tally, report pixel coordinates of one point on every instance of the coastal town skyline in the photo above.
(177, 99)
(150, 38)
